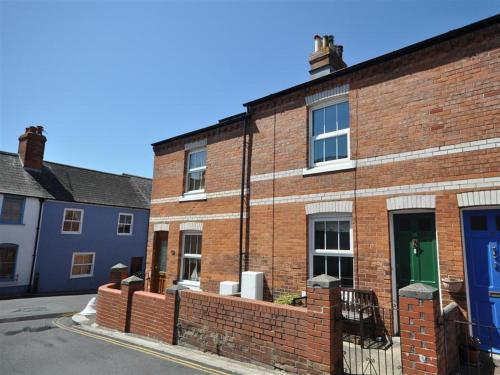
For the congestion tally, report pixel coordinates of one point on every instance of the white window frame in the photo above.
(340, 163)
(197, 169)
(64, 219)
(189, 283)
(338, 253)
(131, 224)
(91, 274)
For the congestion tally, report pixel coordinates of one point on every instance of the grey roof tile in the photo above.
(74, 184)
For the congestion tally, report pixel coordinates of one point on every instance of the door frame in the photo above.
(393, 259)
(464, 254)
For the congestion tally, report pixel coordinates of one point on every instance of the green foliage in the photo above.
(286, 299)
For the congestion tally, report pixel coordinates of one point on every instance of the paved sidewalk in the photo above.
(12, 310)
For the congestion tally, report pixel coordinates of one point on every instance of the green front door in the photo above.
(415, 249)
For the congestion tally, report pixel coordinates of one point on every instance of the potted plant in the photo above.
(469, 351)
(453, 284)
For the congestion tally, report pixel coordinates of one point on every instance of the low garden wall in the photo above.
(245, 330)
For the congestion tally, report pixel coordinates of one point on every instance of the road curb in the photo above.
(205, 358)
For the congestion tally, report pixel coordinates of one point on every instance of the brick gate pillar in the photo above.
(117, 273)
(421, 329)
(324, 342)
(172, 299)
(128, 287)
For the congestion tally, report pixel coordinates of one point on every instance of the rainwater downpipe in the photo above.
(242, 200)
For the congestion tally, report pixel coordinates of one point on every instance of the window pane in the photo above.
(192, 269)
(87, 258)
(330, 119)
(76, 270)
(342, 146)
(319, 151)
(344, 235)
(162, 261)
(346, 272)
(196, 180)
(12, 208)
(78, 259)
(77, 215)
(318, 265)
(75, 226)
(68, 215)
(87, 269)
(318, 122)
(319, 235)
(192, 244)
(332, 236)
(343, 115)
(197, 159)
(332, 265)
(331, 148)
(478, 223)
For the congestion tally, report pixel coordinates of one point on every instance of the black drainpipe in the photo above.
(41, 200)
(242, 201)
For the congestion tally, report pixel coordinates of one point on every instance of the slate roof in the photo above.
(73, 184)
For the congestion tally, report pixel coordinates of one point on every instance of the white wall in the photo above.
(24, 236)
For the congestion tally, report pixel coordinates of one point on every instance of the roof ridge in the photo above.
(135, 176)
(123, 175)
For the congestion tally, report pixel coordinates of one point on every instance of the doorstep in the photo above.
(212, 360)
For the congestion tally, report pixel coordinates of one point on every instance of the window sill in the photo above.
(193, 197)
(80, 276)
(350, 164)
(193, 285)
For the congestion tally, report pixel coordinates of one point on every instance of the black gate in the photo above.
(369, 344)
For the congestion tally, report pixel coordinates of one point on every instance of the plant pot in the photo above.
(452, 285)
(469, 354)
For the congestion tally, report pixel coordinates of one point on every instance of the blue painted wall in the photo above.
(98, 234)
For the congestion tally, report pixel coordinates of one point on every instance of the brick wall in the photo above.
(151, 315)
(248, 331)
(111, 307)
(442, 95)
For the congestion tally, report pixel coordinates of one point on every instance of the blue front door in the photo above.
(482, 239)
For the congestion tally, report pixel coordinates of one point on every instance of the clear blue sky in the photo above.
(107, 78)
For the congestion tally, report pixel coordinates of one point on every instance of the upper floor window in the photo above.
(72, 220)
(329, 141)
(12, 210)
(125, 223)
(8, 257)
(196, 166)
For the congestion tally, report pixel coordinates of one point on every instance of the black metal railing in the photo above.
(470, 347)
(369, 346)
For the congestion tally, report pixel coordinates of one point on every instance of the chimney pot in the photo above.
(327, 56)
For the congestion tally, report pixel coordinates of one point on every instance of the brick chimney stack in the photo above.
(32, 147)
(326, 58)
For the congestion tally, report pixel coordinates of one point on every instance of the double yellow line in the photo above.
(152, 353)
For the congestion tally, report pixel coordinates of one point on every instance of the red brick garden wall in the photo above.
(110, 307)
(245, 330)
(151, 315)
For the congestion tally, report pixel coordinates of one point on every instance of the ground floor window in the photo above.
(331, 248)
(8, 257)
(82, 265)
(191, 257)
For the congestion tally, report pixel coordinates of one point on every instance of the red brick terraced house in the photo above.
(383, 174)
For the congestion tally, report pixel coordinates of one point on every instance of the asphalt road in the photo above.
(40, 347)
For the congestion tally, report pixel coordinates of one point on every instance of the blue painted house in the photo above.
(63, 227)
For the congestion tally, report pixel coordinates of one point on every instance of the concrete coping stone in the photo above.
(118, 266)
(132, 280)
(419, 291)
(449, 308)
(175, 288)
(323, 281)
